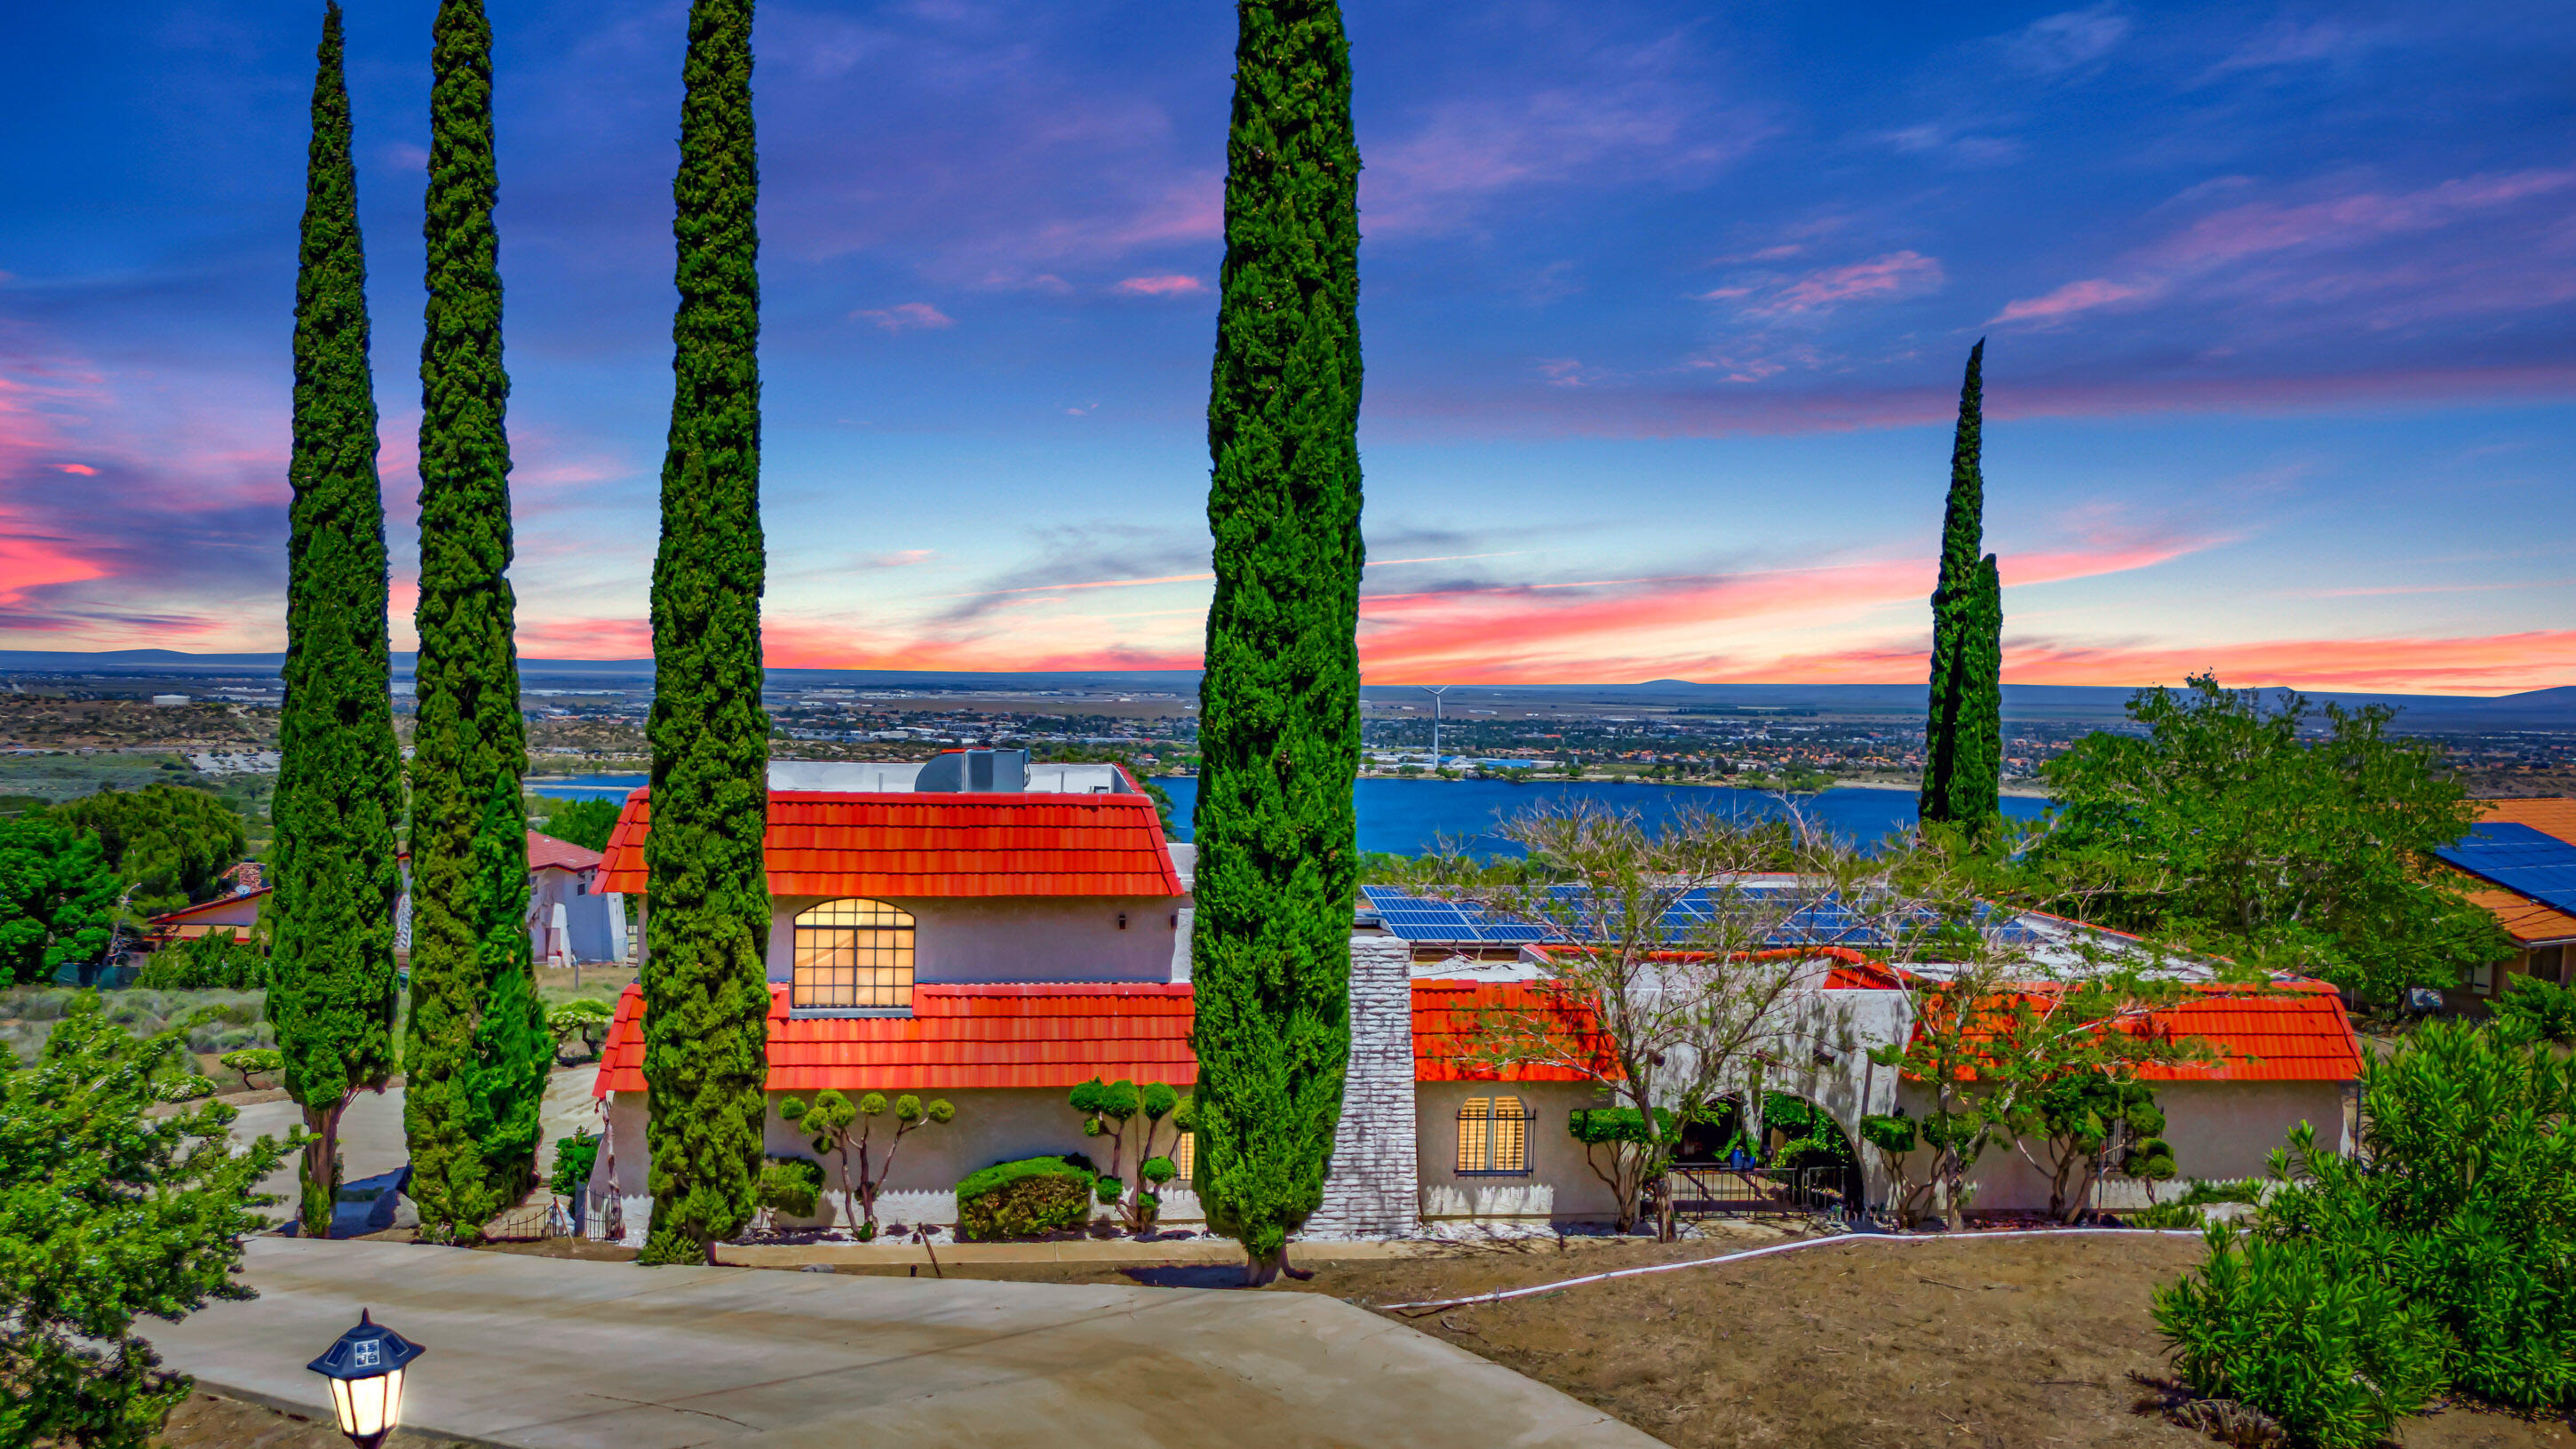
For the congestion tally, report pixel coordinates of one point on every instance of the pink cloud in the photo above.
(1880, 279)
(77, 470)
(2072, 298)
(1172, 286)
(906, 317)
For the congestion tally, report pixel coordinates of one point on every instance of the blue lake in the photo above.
(1404, 817)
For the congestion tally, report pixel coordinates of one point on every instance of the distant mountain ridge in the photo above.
(2544, 709)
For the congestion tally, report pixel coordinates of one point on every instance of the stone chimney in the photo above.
(1374, 1188)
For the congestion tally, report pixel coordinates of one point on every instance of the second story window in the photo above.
(853, 954)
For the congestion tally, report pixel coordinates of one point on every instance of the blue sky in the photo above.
(1664, 312)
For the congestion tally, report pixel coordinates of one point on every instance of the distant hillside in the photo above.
(2539, 709)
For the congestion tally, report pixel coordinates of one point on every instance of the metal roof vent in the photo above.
(975, 772)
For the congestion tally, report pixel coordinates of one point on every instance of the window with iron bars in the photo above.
(1493, 1137)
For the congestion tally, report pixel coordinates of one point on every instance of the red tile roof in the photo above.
(2290, 1031)
(914, 845)
(185, 912)
(957, 1036)
(545, 850)
(1449, 1015)
(1045, 1036)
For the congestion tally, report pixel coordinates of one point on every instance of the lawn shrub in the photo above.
(2335, 1358)
(574, 1158)
(212, 962)
(790, 1185)
(1030, 1196)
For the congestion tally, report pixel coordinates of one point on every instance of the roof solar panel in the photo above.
(2523, 860)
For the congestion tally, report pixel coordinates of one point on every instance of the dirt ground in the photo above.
(1859, 1345)
(208, 1422)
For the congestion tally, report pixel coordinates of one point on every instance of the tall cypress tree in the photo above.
(1962, 734)
(339, 780)
(475, 1063)
(705, 982)
(1279, 702)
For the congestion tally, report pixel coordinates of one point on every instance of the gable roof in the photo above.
(2284, 1031)
(2524, 916)
(545, 851)
(821, 843)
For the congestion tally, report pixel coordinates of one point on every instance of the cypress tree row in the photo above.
(339, 779)
(705, 982)
(1279, 702)
(1962, 734)
(476, 1058)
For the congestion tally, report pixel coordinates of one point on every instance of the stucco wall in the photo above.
(992, 1125)
(1017, 938)
(1559, 1187)
(2219, 1130)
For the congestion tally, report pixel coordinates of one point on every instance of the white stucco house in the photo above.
(998, 945)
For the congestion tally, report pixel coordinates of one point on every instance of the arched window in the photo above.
(853, 954)
(1493, 1137)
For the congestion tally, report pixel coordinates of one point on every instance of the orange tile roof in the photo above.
(545, 850)
(1046, 1035)
(958, 1036)
(2548, 814)
(914, 845)
(184, 912)
(1448, 1015)
(2290, 1031)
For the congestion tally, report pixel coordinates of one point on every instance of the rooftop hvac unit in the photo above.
(976, 772)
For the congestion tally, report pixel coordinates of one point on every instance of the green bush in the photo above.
(2536, 1006)
(2166, 1215)
(212, 962)
(2460, 1209)
(1030, 1196)
(791, 1185)
(2335, 1358)
(253, 1061)
(574, 1157)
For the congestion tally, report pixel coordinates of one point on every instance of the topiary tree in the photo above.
(1110, 1109)
(836, 1124)
(1029, 1196)
(110, 1213)
(250, 1061)
(1894, 1136)
(790, 1185)
(581, 1019)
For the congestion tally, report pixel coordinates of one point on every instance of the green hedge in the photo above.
(791, 1185)
(574, 1157)
(1032, 1195)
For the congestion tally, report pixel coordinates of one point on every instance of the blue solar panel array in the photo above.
(2520, 859)
(1421, 918)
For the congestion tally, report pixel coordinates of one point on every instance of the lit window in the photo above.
(853, 954)
(1493, 1137)
(1185, 1156)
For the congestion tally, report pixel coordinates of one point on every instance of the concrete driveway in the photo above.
(543, 1353)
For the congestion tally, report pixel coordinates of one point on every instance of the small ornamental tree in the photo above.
(2088, 1126)
(109, 1213)
(581, 1021)
(1618, 1149)
(836, 1124)
(1110, 1109)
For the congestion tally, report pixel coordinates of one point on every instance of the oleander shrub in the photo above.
(2454, 1226)
(2335, 1358)
(1020, 1199)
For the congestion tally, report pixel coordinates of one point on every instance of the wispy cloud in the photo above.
(906, 317)
(1887, 278)
(2068, 40)
(1163, 286)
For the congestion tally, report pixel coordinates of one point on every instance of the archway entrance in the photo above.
(1799, 1160)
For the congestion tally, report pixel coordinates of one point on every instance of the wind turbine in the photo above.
(1435, 720)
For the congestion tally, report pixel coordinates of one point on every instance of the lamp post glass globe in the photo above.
(365, 1371)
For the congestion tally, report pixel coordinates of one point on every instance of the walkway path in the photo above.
(541, 1353)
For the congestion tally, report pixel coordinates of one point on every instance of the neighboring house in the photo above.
(569, 918)
(996, 947)
(2521, 858)
(233, 915)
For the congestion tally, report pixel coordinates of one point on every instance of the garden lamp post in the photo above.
(366, 1372)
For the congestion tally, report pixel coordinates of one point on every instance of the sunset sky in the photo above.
(1664, 308)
